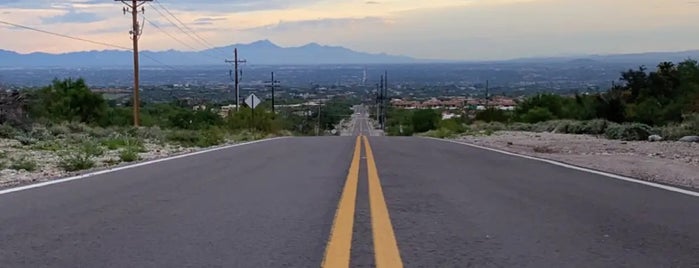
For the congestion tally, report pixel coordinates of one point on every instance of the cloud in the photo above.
(284, 26)
(72, 17)
(372, 3)
(207, 20)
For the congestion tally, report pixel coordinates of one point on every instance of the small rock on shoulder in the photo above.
(689, 139)
(653, 138)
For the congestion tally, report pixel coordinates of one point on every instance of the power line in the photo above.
(63, 35)
(168, 34)
(173, 23)
(190, 29)
(84, 40)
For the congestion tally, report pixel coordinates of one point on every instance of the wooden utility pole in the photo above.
(133, 7)
(235, 62)
(273, 84)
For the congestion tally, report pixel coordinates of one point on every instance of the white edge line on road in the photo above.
(101, 172)
(561, 164)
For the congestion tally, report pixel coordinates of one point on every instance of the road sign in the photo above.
(252, 101)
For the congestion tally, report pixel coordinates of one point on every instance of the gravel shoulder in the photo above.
(674, 163)
(47, 162)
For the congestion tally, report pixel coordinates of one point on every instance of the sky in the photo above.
(433, 29)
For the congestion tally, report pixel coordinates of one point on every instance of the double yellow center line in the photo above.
(337, 252)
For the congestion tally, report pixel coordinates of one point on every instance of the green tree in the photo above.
(425, 120)
(68, 100)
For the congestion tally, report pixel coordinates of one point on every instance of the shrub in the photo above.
(629, 132)
(52, 146)
(128, 155)
(75, 161)
(3, 154)
(26, 139)
(597, 126)
(7, 132)
(521, 127)
(453, 125)
(118, 141)
(59, 129)
(92, 148)
(211, 137)
(24, 164)
(186, 138)
(76, 127)
(676, 131)
(82, 157)
(491, 127)
(538, 114)
(440, 133)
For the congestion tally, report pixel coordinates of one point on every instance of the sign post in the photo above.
(252, 101)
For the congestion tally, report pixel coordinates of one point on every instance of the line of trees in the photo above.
(665, 97)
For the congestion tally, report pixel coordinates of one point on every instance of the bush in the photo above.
(118, 141)
(185, 138)
(597, 126)
(59, 129)
(629, 132)
(129, 155)
(211, 137)
(82, 157)
(454, 125)
(24, 164)
(7, 132)
(76, 161)
(675, 131)
(26, 139)
(521, 127)
(493, 115)
(52, 146)
(441, 133)
(425, 120)
(491, 127)
(538, 114)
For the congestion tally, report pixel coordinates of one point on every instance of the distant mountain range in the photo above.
(265, 52)
(261, 52)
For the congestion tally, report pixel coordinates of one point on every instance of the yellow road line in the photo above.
(337, 252)
(386, 252)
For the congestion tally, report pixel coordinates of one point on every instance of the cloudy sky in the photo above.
(436, 29)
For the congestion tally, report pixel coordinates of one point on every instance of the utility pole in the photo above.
(487, 95)
(318, 131)
(273, 84)
(379, 116)
(236, 79)
(385, 108)
(135, 33)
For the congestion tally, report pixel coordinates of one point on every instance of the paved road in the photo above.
(361, 124)
(344, 201)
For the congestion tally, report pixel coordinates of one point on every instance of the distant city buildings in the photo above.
(457, 103)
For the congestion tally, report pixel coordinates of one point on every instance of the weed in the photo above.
(24, 164)
(128, 155)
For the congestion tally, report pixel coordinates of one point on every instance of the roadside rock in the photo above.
(654, 138)
(690, 139)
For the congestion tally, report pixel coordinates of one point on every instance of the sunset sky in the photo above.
(434, 29)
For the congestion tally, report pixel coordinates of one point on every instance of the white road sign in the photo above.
(252, 101)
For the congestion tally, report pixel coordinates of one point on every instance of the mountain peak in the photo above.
(263, 43)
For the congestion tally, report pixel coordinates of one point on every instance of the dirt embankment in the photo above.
(675, 163)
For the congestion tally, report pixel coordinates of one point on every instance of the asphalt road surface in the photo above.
(349, 201)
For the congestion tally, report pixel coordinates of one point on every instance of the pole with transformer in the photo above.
(385, 109)
(133, 6)
(236, 79)
(273, 84)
